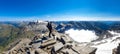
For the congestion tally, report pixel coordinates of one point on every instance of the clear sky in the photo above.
(58, 9)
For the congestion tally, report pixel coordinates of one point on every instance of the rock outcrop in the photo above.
(50, 42)
(116, 50)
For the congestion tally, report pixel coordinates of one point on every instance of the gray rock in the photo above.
(58, 46)
(116, 50)
(47, 43)
(40, 51)
(85, 49)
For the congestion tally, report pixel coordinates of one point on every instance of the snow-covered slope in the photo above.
(108, 45)
(104, 46)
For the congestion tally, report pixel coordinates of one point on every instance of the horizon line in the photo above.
(60, 18)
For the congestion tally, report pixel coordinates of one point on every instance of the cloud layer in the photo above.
(60, 18)
(82, 35)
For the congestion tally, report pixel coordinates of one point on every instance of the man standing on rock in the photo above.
(49, 26)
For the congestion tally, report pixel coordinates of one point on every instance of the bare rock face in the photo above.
(116, 50)
(52, 43)
(22, 47)
(37, 26)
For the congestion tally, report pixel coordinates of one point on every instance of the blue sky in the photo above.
(59, 9)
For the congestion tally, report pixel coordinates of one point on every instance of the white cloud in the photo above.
(60, 18)
(82, 35)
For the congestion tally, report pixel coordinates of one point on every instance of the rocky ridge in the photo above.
(49, 43)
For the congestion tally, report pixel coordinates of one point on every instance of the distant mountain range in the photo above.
(99, 27)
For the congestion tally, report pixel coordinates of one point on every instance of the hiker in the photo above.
(49, 25)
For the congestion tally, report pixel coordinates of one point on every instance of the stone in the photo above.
(116, 50)
(84, 49)
(47, 43)
(69, 51)
(40, 51)
(58, 46)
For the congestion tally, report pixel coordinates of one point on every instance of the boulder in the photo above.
(47, 43)
(58, 46)
(40, 51)
(84, 49)
(116, 50)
